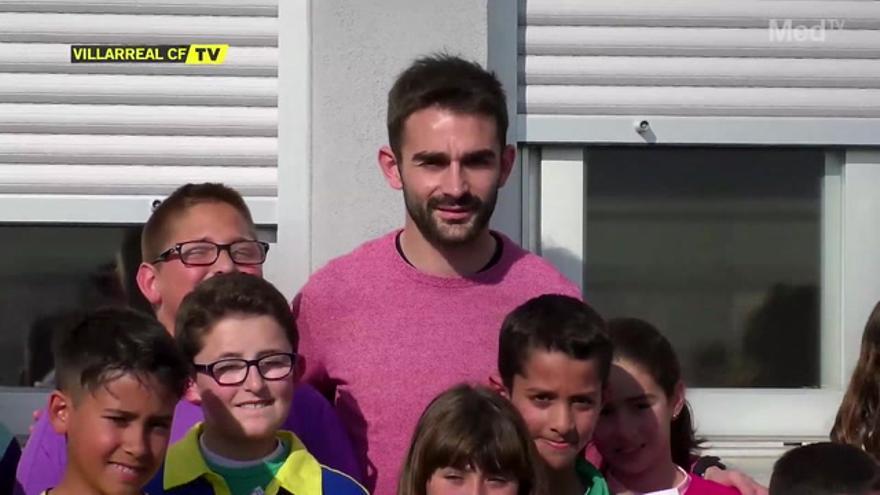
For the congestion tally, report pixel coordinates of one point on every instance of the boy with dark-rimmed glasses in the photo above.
(237, 332)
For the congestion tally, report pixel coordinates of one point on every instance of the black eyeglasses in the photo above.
(234, 371)
(205, 253)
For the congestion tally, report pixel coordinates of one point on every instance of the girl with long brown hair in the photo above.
(858, 419)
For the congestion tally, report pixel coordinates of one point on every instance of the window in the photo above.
(720, 249)
(752, 260)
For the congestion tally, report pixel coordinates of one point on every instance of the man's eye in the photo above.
(117, 420)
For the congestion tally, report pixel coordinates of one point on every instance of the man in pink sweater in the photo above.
(388, 326)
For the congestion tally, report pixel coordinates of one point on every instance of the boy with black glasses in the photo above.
(237, 332)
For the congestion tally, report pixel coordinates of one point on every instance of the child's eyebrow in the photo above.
(238, 355)
(163, 419)
(638, 398)
(120, 412)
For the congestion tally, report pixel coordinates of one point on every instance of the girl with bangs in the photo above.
(470, 440)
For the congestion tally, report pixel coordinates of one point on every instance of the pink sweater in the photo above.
(387, 338)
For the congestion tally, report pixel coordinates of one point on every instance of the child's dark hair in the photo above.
(858, 419)
(469, 427)
(224, 295)
(450, 83)
(552, 322)
(640, 342)
(154, 237)
(824, 469)
(112, 342)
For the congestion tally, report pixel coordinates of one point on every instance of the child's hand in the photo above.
(737, 479)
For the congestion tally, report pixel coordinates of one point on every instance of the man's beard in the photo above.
(436, 231)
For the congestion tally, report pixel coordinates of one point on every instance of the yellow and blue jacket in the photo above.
(185, 472)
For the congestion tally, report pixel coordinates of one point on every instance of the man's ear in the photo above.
(508, 158)
(496, 384)
(390, 167)
(148, 283)
(60, 408)
(192, 394)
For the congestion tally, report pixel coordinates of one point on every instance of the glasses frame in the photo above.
(176, 249)
(208, 369)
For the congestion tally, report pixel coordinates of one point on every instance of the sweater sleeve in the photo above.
(43, 459)
(316, 371)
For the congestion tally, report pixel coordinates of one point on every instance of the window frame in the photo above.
(554, 224)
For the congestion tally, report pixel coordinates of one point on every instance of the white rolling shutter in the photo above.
(765, 63)
(123, 131)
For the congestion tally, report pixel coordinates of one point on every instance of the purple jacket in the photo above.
(312, 418)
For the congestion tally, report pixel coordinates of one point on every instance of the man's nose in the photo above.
(455, 180)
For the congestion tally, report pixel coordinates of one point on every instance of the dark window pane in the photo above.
(720, 249)
(49, 275)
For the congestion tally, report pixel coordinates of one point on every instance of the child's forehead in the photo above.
(541, 362)
(205, 220)
(243, 333)
(125, 389)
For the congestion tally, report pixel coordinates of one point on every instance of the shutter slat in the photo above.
(699, 13)
(55, 58)
(82, 149)
(137, 29)
(138, 119)
(694, 42)
(268, 8)
(623, 100)
(140, 90)
(130, 179)
(700, 71)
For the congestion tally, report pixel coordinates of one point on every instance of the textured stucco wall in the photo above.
(358, 48)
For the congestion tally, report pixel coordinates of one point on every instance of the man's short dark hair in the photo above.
(225, 295)
(824, 469)
(555, 323)
(161, 222)
(109, 343)
(448, 82)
